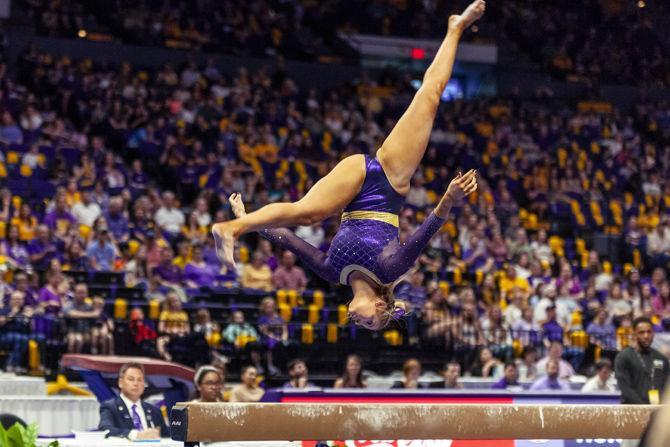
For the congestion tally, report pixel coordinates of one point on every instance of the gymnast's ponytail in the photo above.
(395, 309)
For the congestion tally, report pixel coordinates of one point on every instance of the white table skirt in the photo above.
(120, 442)
(109, 442)
(55, 416)
(11, 385)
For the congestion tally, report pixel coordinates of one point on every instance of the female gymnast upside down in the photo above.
(365, 254)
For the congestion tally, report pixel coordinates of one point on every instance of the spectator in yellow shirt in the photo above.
(257, 274)
(173, 322)
(512, 280)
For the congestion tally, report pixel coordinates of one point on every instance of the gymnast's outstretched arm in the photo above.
(284, 238)
(396, 260)
(313, 258)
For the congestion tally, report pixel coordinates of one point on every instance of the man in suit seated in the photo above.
(127, 416)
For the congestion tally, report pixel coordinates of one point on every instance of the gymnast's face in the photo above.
(365, 311)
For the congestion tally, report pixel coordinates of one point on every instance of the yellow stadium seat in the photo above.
(244, 255)
(26, 171)
(596, 212)
(307, 334)
(33, 355)
(627, 267)
(317, 299)
(284, 311)
(282, 296)
(342, 314)
(607, 267)
(458, 276)
(393, 337)
(444, 287)
(312, 314)
(120, 309)
(597, 353)
(12, 158)
(3, 170)
(293, 299)
(579, 339)
(154, 309)
(432, 196)
(479, 277)
(331, 333)
(585, 259)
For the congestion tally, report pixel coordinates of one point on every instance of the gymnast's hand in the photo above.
(236, 204)
(462, 186)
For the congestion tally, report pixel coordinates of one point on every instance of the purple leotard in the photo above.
(363, 242)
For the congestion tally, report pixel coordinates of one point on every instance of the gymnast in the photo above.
(365, 253)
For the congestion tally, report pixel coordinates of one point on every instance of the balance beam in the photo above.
(212, 422)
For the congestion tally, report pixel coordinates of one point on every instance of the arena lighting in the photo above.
(82, 33)
(418, 53)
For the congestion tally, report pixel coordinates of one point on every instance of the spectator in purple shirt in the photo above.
(138, 180)
(116, 221)
(59, 220)
(10, 132)
(43, 249)
(273, 329)
(49, 298)
(510, 377)
(14, 248)
(23, 285)
(265, 247)
(197, 272)
(601, 332)
(551, 380)
(552, 330)
(169, 273)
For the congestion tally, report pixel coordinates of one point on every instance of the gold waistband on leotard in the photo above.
(381, 216)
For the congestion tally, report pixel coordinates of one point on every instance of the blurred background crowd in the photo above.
(112, 175)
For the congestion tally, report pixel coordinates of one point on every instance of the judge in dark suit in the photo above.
(127, 416)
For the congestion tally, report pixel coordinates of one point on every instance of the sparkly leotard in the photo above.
(367, 240)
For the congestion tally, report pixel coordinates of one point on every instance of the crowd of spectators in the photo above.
(295, 29)
(133, 166)
(593, 40)
(615, 42)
